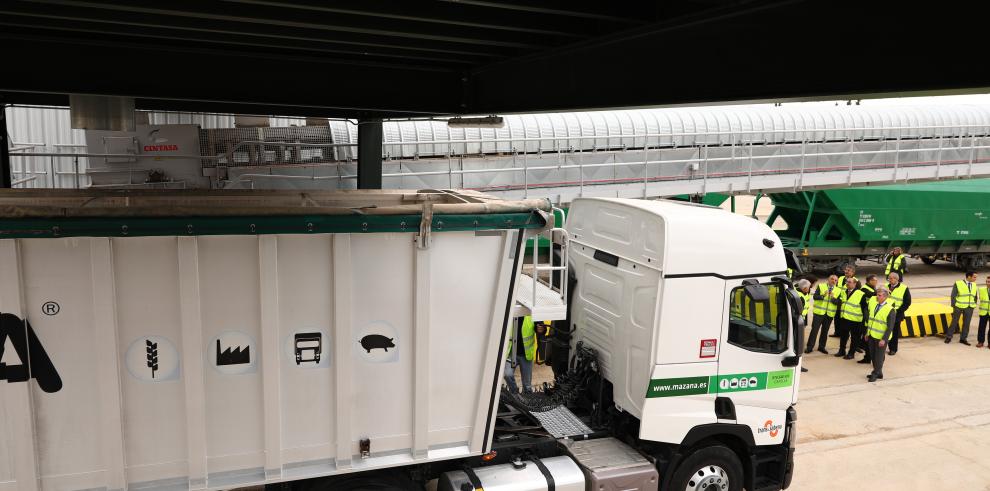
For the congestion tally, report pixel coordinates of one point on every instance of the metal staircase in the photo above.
(542, 285)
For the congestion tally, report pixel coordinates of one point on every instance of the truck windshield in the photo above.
(758, 325)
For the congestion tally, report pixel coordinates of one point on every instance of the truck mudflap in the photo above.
(790, 438)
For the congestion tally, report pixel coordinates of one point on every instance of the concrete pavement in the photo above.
(926, 426)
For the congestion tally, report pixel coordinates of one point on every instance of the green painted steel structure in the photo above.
(924, 218)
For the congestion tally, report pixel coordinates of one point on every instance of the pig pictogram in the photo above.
(375, 341)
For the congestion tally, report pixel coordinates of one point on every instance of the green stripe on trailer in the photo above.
(720, 384)
(259, 225)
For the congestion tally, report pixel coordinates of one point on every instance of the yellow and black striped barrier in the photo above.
(925, 319)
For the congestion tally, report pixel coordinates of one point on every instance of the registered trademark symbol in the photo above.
(50, 308)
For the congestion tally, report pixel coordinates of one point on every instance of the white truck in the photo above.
(356, 340)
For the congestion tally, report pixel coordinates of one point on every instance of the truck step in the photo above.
(561, 422)
(765, 484)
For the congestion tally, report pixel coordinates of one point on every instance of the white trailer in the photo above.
(197, 340)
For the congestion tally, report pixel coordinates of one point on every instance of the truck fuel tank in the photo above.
(521, 475)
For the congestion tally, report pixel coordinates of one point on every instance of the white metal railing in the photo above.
(556, 235)
(702, 172)
(958, 135)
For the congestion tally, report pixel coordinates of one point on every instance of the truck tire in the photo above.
(929, 260)
(714, 468)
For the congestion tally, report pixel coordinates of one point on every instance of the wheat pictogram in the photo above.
(152, 350)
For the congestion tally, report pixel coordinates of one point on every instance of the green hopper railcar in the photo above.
(944, 220)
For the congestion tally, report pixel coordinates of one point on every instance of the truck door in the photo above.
(756, 346)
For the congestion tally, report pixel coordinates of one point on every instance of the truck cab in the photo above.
(698, 335)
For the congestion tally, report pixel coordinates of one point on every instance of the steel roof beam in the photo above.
(591, 10)
(57, 29)
(179, 12)
(191, 80)
(439, 14)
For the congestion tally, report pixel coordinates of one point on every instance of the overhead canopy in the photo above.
(378, 58)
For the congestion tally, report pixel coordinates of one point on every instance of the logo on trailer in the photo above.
(308, 347)
(771, 428)
(50, 308)
(374, 341)
(152, 359)
(17, 340)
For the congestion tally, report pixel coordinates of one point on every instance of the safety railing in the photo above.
(551, 273)
(697, 167)
(520, 166)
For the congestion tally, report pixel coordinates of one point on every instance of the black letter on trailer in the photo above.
(34, 361)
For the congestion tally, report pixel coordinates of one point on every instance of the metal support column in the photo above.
(369, 171)
(5, 169)
(807, 219)
(756, 203)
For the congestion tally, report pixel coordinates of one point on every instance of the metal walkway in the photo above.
(665, 152)
(637, 153)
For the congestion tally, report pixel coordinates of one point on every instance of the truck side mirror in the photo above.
(797, 327)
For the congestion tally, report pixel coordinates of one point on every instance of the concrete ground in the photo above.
(926, 426)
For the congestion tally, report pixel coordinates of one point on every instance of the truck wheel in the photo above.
(713, 468)
(929, 260)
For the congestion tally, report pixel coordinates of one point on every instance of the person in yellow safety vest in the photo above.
(870, 287)
(543, 351)
(826, 303)
(521, 350)
(869, 291)
(848, 271)
(896, 261)
(983, 299)
(963, 302)
(849, 324)
(880, 326)
(804, 291)
(901, 296)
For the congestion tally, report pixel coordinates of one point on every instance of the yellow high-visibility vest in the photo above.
(897, 294)
(529, 340)
(983, 293)
(736, 306)
(965, 295)
(744, 307)
(894, 265)
(825, 306)
(877, 325)
(851, 309)
(805, 302)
